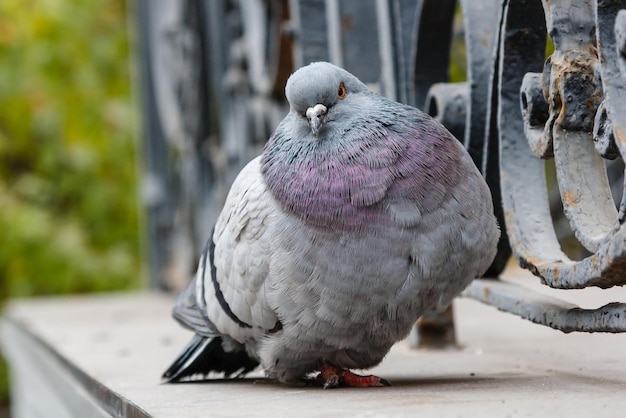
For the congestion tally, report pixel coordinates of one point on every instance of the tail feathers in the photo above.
(206, 354)
(190, 315)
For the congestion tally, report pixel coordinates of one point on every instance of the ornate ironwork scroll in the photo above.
(572, 84)
(566, 108)
(212, 77)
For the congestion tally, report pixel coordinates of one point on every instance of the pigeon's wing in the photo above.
(231, 278)
(190, 314)
(225, 302)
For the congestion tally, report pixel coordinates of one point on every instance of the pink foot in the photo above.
(333, 376)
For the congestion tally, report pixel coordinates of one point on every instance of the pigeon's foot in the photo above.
(332, 376)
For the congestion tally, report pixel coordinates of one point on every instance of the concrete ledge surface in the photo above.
(114, 347)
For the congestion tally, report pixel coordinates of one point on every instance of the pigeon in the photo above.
(360, 214)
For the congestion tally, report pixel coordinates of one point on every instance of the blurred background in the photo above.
(69, 218)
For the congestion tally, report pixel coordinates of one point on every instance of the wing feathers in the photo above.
(240, 254)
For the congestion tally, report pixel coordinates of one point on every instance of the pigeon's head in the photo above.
(321, 93)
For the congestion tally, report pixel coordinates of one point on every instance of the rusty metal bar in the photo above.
(547, 310)
(582, 180)
(574, 92)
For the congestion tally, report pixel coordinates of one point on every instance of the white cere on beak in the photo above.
(316, 116)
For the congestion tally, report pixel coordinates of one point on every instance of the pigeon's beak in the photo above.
(316, 116)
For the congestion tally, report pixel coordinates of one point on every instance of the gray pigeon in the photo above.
(360, 214)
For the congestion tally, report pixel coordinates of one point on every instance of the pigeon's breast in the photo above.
(332, 194)
(344, 284)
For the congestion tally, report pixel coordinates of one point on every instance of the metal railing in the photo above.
(213, 74)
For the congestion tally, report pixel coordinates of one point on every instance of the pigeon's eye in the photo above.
(341, 92)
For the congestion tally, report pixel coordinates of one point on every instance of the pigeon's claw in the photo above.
(332, 376)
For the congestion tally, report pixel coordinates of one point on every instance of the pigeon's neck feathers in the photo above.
(387, 150)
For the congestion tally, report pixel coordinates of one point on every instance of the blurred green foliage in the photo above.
(68, 198)
(457, 70)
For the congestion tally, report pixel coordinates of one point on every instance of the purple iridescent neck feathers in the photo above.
(369, 152)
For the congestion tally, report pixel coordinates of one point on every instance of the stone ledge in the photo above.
(103, 355)
(44, 383)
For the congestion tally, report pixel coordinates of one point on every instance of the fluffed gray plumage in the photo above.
(360, 214)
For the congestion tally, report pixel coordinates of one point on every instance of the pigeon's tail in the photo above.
(204, 355)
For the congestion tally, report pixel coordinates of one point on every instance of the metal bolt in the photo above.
(603, 137)
(447, 103)
(534, 106)
(535, 112)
